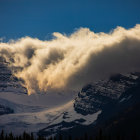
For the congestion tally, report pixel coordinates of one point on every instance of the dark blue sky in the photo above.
(40, 18)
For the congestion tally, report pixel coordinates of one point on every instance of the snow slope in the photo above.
(33, 122)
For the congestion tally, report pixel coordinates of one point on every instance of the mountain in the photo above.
(111, 104)
(106, 99)
(28, 113)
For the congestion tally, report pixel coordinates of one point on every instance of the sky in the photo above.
(40, 18)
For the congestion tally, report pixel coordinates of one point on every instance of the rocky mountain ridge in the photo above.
(94, 96)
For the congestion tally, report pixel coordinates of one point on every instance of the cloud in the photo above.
(73, 61)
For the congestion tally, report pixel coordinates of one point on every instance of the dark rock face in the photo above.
(5, 110)
(5, 74)
(8, 82)
(93, 97)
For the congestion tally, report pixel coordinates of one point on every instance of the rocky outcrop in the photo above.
(93, 97)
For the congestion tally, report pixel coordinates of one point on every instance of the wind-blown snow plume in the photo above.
(72, 61)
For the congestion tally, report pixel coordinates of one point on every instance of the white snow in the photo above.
(32, 112)
(46, 100)
(34, 121)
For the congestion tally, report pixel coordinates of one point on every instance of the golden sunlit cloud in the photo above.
(74, 60)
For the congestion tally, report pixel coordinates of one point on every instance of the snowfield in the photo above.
(35, 112)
